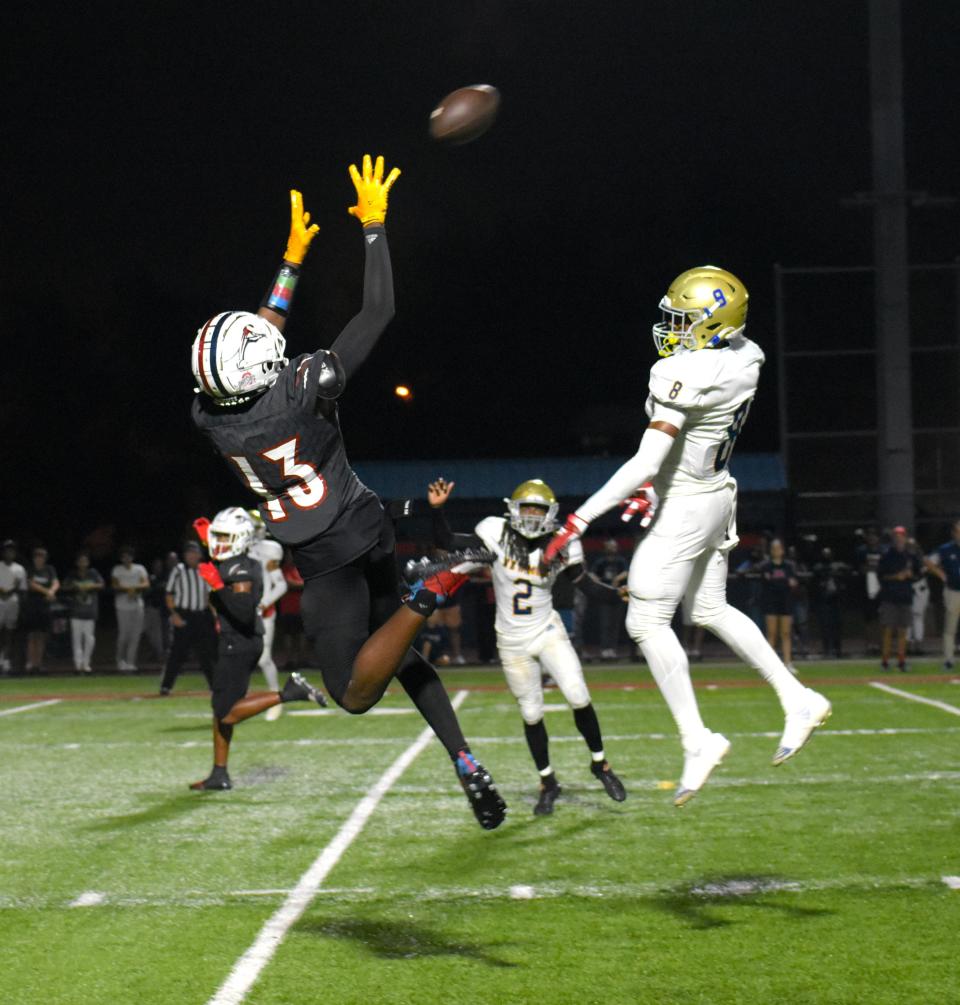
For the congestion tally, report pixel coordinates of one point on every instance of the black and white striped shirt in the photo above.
(190, 591)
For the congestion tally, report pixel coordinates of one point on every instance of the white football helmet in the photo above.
(230, 533)
(237, 354)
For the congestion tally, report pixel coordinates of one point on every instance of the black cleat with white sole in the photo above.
(485, 801)
(298, 688)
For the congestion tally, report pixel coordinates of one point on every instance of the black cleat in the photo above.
(298, 688)
(423, 568)
(613, 786)
(217, 780)
(548, 796)
(487, 804)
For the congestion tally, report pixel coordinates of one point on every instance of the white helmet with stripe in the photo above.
(236, 355)
(230, 533)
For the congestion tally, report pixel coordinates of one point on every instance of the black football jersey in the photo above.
(293, 457)
(240, 569)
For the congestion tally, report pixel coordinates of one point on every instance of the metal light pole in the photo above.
(891, 291)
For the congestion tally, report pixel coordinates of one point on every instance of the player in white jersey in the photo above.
(700, 394)
(269, 554)
(531, 638)
(13, 582)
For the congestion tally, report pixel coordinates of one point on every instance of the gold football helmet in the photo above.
(703, 308)
(532, 508)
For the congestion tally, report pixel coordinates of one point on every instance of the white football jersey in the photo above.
(714, 388)
(524, 596)
(274, 582)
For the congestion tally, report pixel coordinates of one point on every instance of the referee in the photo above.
(944, 563)
(191, 619)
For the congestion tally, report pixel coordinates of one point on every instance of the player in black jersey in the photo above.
(277, 423)
(236, 587)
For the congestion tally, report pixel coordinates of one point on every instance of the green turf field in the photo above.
(820, 881)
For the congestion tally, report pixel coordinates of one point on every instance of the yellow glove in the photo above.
(372, 191)
(301, 233)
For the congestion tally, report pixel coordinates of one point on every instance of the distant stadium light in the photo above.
(403, 392)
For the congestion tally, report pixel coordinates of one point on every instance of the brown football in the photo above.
(465, 114)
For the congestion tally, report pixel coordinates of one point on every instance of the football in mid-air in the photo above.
(465, 114)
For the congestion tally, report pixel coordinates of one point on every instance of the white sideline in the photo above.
(35, 704)
(248, 968)
(942, 705)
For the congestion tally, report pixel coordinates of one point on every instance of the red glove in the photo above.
(210, 573)
(645, 503)
(202, 526)
(572, 529)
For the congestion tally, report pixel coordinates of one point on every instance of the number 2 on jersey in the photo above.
(522, 594)
(733, 431)
(308, 490)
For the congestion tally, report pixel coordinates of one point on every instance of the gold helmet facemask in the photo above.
(537, 495)
(703, 308)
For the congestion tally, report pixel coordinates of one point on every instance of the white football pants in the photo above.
(266, 663)
(552, 652)
(684, 554)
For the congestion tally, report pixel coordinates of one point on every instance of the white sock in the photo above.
(269, 669)
(671, 670)
(546, 772)
(598, 755)
(747, 641)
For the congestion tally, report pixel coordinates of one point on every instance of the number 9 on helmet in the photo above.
(702, 309)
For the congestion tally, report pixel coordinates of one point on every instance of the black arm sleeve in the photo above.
(589, 583)
(355, 342)
(240, 609)
(444, 537)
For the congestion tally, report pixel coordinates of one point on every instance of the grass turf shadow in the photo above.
(158, 812)
(696, 903)
(400, 940)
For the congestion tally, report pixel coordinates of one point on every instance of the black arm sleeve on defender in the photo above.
(444, 537)
(589, 583)
(240, 609)
(356, 341)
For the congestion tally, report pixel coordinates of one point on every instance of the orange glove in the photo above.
(209, 572)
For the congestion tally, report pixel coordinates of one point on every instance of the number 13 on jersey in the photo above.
(307, 490)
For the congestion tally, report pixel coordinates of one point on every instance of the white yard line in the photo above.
(942, 705)
(248, 968)
(35, 704)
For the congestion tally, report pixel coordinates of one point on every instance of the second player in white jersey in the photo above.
(531, 637)
(699, 396)
(269, 554)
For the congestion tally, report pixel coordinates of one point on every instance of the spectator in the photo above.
(779, 582)
(868, 558)
(944, 563)
(42, 588)
(801, 603)
(919, 604)
(611, 570)
(828, 587)
(749, 572)
(897, 570)
(289, 623)
(155, 610)
(129, 581)
(192, 624)
(83, 585)
(13, 582)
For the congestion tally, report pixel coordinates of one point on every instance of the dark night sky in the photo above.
(148, 158)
